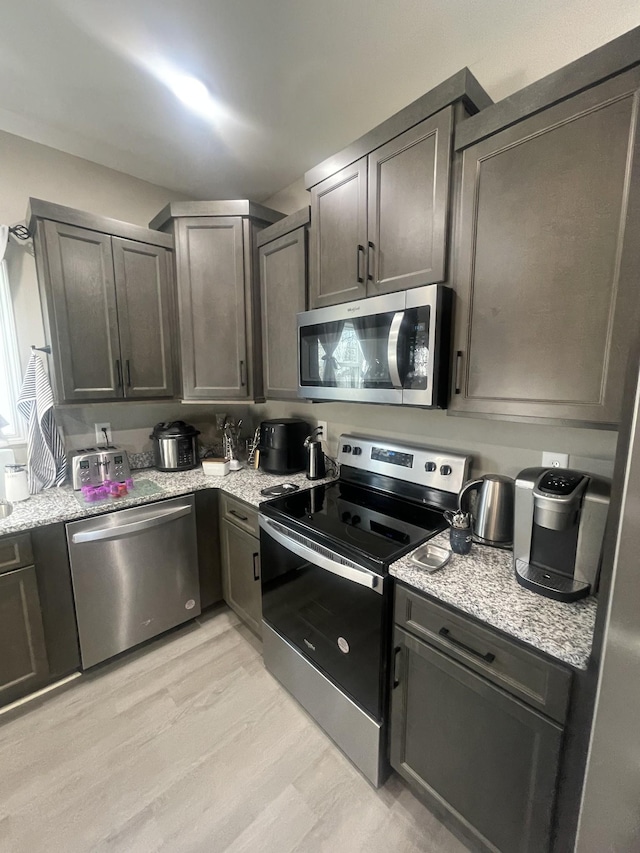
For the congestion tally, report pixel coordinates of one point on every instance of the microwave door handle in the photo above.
(363, 576)
(392, 349)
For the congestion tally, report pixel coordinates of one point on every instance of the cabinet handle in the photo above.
(119, 372)
(360, 253)
(396, 652)
(488, 657)
(256, 562)
(128, 365)
(242, 377)
(458, 370)
(370, 261)
(237, 515)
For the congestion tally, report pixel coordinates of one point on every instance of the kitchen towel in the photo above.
(46, 459)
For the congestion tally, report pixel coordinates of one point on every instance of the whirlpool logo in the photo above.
(309, 645)
(354, 308)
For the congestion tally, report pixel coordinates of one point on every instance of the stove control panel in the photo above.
(437, 469)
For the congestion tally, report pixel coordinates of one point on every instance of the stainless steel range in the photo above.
(326, 591)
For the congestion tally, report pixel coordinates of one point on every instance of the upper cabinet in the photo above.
(282, 251)
(108, 304)
(380, 209)
(547, 252)
(218, 295)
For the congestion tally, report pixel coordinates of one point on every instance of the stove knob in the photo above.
(346, 448)
(445, 470)
(429, 466)
(356, 520)
(357, 451)
(345, 516)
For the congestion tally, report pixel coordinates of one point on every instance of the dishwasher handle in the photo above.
(118, 531)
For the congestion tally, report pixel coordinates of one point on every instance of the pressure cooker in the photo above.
(175, 446)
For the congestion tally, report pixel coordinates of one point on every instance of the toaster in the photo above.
(90, 466)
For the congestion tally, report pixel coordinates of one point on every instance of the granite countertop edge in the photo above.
(57, 505)
(483, 585)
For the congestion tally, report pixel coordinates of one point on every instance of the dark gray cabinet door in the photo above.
(338, 237)
(548, 261)
(473, 751)
(409, 180)
(241, 574)
(82, 313)
(23, 662)
(144, 294)
(211, 293)
(283, 292)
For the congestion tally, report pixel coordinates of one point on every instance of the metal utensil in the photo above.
(458, 520)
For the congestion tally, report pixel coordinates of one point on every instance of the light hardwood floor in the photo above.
(189, 745)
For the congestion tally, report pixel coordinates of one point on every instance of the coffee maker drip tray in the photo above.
(550, 583)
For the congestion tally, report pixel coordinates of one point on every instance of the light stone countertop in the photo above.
(483, 585)
(60, 504)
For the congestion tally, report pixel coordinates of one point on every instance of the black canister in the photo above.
(460, 533)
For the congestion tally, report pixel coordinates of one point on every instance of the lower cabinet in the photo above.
(240, 547)
(23, 663)
(484, 760)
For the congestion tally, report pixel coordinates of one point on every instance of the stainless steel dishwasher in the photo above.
(135, 575)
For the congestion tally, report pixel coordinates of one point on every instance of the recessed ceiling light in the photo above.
(194, 94)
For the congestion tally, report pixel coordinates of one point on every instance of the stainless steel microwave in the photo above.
(386, 349)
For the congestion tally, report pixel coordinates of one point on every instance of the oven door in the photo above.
(334, 612)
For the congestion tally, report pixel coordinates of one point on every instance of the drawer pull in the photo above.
(489, 657)
(396, 652)
(237, 515)
(256, 563)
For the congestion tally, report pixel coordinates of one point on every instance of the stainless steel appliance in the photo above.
(135, 575)
(492, 509)
(281, 447)
(92, 465)
(175, 446)
(387, 349)
(326, 591)
(315, 458)
(560, 518)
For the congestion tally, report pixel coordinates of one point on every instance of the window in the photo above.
(10, 374)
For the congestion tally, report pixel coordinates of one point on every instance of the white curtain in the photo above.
(10, 374)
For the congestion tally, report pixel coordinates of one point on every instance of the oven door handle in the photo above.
(354, 574)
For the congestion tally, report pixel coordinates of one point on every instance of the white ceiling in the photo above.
(298, 79)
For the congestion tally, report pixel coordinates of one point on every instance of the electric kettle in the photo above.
(315, 461)
(492, 509)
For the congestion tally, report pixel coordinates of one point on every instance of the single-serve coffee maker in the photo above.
(560, 518)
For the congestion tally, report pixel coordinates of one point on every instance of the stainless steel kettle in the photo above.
(315, 462)
(492, 511)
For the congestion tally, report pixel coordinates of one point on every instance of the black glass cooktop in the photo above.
(357, 520)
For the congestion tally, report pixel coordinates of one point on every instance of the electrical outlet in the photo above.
(322, 431)
(550, 459)
(100, 434)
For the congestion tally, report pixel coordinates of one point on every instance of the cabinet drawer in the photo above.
(538, 682)
(241, 514)
(15, 551)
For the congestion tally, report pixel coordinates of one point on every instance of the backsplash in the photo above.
(497, 446)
